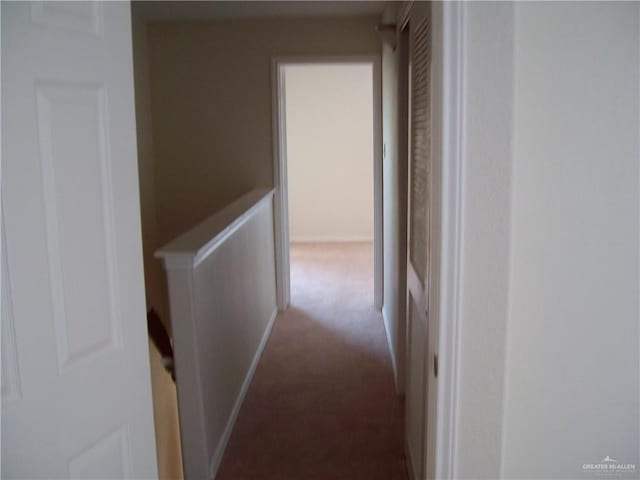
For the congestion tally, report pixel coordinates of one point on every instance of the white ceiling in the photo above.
(234, 9)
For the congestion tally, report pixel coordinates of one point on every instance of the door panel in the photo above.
(77, 401)
(419, 231)
(80, 235)
(415, 391)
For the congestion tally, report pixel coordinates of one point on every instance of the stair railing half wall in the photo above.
(222, 297)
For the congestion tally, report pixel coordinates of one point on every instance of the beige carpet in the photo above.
(322, 403)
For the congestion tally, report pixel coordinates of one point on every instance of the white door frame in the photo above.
(450, 16)
(281, 222)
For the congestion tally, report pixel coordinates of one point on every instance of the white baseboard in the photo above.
(392, 351)
(214, 464)
(330, 239)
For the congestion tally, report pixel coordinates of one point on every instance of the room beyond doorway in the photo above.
(329, 135)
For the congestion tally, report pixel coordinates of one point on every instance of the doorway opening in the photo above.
(327, 162)
(329, 155)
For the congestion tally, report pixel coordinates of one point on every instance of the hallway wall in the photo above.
(548, 361)
(573, 369)
(211, 104)
(487, 163)
(165, 408)
(155, 284)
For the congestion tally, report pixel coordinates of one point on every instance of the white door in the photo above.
(419, 222)
(76, 397)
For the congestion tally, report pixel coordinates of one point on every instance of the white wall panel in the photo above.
(222, 295)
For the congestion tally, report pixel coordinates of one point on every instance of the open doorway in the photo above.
(327, 160)
(329, 154)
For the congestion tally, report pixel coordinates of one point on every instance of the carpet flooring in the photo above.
(322, 404)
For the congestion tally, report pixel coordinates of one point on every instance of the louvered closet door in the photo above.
(418, 261)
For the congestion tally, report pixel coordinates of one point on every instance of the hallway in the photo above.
(322, 403)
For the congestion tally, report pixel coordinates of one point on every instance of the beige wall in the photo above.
(211, 92)
(163, 389)
(329, 127)
(155, 285)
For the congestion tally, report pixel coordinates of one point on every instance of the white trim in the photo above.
(330, 239)
(281, 228)
(280, 204)
(392, 352)
(378, 207)
(197, 375)
(216, 458)
(188, 381)
(450, 240)
(229, 230)
(187, 251)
